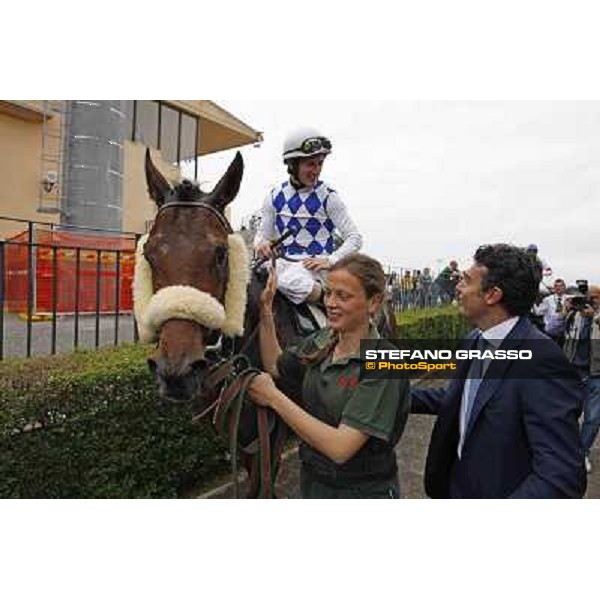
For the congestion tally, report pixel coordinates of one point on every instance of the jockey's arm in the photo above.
(267, 231)
(342, 221)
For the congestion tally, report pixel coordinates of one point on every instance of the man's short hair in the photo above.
(515, 271)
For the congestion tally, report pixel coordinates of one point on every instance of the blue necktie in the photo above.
(474, 375)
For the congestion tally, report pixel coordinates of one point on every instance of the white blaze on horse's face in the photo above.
(191, 277)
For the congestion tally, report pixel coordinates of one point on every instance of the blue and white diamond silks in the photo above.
(304, 211)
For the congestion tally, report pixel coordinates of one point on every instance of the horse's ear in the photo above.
(158, 186)
(226, 190)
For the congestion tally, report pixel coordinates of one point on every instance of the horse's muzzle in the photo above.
(181, 386)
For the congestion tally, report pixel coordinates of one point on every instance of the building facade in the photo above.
(81, 163)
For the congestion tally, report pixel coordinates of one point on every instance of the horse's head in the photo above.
(190, 279)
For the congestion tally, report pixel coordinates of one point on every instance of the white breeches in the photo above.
(295, 281)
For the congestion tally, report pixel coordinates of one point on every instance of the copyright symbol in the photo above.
(370, 365)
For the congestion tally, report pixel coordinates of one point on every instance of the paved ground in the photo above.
(411, 452)
(14, 343)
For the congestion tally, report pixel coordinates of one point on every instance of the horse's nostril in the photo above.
(198, 365)
(179, 389)
(152, 366)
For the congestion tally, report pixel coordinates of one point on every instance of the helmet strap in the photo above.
(292, 169)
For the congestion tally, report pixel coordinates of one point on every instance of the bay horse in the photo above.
(195, 296)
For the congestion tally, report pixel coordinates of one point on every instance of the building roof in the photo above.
(22, 109)
(219, 129)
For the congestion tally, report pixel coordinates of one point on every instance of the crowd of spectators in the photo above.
(571, 317)
(416, 288)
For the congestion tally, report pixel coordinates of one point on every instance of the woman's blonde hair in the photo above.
(367, 270)
(372, 278)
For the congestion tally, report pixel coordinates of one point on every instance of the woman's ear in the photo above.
(374, 304)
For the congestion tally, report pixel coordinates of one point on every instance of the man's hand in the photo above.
(316, 264)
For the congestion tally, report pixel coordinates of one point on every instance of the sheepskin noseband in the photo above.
(186, 302)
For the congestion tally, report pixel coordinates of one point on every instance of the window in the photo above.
(169, 123)
(188, 137)
(179, 131)
(146, 130)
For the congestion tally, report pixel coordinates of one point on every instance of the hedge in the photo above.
(444, 323)
(90, 425)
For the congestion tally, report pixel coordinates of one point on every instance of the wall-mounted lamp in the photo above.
(49, 181)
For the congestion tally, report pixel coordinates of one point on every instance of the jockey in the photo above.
(311, 210)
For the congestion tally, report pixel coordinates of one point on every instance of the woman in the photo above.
(348, 424)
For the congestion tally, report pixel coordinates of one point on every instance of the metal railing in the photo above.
(58, 298)
(411, 289)
(94, 313)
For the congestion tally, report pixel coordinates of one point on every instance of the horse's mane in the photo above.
(188, 191)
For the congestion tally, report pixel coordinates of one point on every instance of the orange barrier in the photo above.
(63, 270)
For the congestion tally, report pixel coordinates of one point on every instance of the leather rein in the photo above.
(229, 378)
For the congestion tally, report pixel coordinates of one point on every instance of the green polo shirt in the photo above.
(376, 407)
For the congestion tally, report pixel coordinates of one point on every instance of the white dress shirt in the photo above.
(494, 336)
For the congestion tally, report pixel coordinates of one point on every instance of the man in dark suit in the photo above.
(505, 428)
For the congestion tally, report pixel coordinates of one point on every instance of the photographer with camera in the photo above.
(582, 348)
(552, 309)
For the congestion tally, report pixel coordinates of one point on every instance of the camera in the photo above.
(582, 299)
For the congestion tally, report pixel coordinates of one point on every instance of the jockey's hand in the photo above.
(266, 298)
(264, 250)
(316, 264)
(262, 389)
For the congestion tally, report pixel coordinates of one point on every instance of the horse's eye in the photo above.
(221, 256)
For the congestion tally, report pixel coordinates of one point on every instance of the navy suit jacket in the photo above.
(522, 439)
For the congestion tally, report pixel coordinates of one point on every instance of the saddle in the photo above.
(306, 317)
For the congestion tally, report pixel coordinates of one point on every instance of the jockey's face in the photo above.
(309, 169)
(348, 307)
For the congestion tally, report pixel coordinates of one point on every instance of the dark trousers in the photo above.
(312, 489)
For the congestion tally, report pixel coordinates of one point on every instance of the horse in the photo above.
(196, 297)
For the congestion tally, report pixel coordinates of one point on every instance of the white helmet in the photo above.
(304, 142)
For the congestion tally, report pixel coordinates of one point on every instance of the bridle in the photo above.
(228, 379)
(199, 204)
(226, 226)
